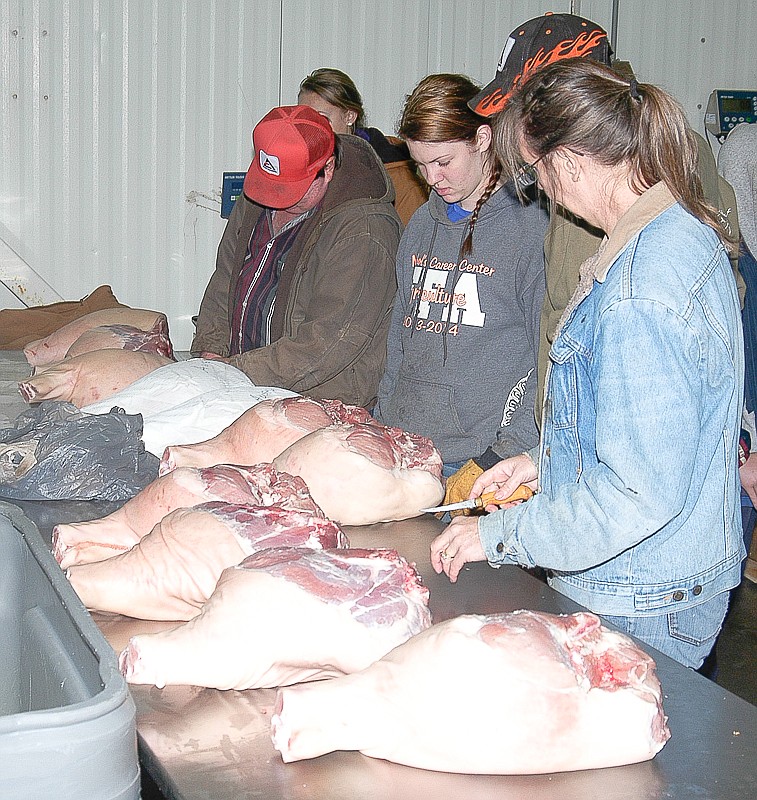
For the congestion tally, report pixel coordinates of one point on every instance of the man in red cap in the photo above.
(569, 241)
(304, 280)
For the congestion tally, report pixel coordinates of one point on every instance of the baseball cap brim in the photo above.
(259, 188)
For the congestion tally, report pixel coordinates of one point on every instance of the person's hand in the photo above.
(459, 486)
(505, 477)
(457, 545)
(214, 357)
(748, 476)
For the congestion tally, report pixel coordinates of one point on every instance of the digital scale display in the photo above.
(727, 108)
(735, 105)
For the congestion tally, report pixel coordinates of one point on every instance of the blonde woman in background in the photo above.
(332, 93)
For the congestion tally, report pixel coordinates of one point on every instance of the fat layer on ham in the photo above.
(262, 432)
(517, 693)
(170, 573)
(89, 377)
(286, 615)
(365, 473)
(55, 346)
(125, 337)
(260, 485)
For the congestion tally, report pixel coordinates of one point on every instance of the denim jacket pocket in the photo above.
(563, 384)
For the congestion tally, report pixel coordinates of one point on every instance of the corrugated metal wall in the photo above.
(117, 119)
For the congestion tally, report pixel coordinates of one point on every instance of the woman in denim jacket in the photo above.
(637, 513)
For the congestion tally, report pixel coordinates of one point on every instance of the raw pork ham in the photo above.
(125, 337)
(90, 377)
(261, 485)
(55, 346)
(516, 693)
(262, 432)
(360, 474)
(287, 615)
(172, 571)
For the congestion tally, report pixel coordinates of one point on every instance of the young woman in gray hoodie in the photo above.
(461, 352)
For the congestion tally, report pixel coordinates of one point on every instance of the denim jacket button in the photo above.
(678, 595)
(500, 547)
(697, 590)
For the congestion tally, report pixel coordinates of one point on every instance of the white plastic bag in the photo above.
(187, 402)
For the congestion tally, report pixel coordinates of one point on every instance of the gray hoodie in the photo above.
(461, 352)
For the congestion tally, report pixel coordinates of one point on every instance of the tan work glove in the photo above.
(459, 485)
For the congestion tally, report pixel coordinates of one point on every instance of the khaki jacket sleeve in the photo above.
(410, 190)
(566, 246)
(719, 194)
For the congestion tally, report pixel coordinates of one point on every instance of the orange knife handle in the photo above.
(521, 493)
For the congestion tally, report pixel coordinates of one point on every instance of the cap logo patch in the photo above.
(269, 163)
(509, 44)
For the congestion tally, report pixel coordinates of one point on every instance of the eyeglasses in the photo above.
(527, 176)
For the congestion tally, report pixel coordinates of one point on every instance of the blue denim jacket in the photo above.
(638, 512)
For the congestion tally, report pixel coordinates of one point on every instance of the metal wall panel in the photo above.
(383, 47)
(468, 35)
(118, 117)
(690, 47)
(117, 120)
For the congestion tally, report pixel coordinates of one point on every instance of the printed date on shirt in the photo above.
(431, 326)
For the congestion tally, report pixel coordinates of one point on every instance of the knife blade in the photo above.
(521, 493)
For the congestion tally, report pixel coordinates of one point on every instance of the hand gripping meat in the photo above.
(286, 615)
(515, 693)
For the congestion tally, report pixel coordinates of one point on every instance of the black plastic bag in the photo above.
(56, 452)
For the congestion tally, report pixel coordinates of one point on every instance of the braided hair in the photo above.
(491, 187)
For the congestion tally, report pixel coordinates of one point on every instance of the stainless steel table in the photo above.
(205, 744)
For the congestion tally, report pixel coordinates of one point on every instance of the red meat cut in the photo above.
(125, 337)
(286, 615)
(262, 432)
(55, 346)
(365, 473)
(89, 377)
(170, 573)
(259, 485)
(515, 693)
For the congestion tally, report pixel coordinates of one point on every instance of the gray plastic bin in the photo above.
(67, 720)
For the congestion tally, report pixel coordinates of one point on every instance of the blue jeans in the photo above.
(685, 636)
(748, 521)
(748, 270)
(448, 470)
